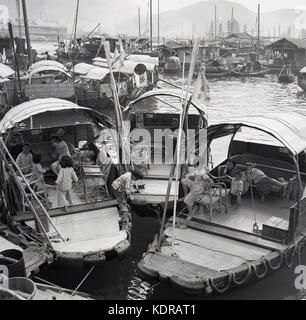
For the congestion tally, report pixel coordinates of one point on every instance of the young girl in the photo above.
(64, 182)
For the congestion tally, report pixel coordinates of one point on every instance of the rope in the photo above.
(290, 264)
(227, 286)
(262, 275)
(245, 278)
(277, 266)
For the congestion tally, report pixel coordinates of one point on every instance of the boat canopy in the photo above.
(287, 128)
(303, 70)
(143, 59)
(127, 67)
(160, 93)
(83, 68)
(5, 71)
(46, 64)
(31, 108)
(47, 68)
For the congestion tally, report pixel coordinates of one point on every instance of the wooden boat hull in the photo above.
(72, 254)
(217, 75)
(286, 79)
(302, 83)
(194, 279)
(249, 74)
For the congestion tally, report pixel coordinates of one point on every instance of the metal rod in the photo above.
(151, 24)
(258, 30)
(158, 23)
(27, 34)
(139, 23)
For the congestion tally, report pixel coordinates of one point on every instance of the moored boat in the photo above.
(25, 289)
(302, 79)
(158, 111)
(225, 246)
(260, 73)
(93, 228)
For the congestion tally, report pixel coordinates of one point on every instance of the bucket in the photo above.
(23, 287)
(14, 261)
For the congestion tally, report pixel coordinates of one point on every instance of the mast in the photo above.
(158, 23)
(215, 21)
(232, 22)
(27, 34)
(258, 48)
(139, 23)
(76, 20)
(151, 24)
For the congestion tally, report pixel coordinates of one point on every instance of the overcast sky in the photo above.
(267, 5)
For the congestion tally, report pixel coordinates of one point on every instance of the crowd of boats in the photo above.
(216, 248)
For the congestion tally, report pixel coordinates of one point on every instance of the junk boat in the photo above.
(286, 75)
(160, 110)
(256, 74)
(302, 79)
(94, 228)
(47, 79)
(225, 246)
(173, 66)
(93, 83)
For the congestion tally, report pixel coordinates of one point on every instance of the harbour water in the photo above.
(232, 97)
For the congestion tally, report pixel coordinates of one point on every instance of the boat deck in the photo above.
(243, 218)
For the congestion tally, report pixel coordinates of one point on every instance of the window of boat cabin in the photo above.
(162, 112)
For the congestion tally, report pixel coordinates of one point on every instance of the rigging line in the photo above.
(87, 275)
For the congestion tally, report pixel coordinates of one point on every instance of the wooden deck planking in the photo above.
(232, 234)
(168, 266)
(243, 218)
(218, 244)
(203, 257)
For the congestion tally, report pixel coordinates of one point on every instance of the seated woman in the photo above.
(194, 187)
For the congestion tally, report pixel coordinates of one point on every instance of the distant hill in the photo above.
(120, 16)
(109, 13)
(199, 16)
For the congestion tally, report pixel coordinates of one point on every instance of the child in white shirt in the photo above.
(64, 182)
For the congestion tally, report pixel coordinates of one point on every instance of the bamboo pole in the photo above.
(28, 186)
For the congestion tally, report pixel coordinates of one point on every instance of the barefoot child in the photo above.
(236, 189)
(122, 187)
(64, 182)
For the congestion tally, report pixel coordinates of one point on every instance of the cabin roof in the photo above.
(46, 64)
(5, 71)
(167, 93)
(298, 43)
(288, 128)
(47, 68)
(303, 70)
(37, 106)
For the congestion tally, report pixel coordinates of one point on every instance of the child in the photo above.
(25, 159)
(64, 182)
(37, 171)
(122, 187)
(236, 189)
